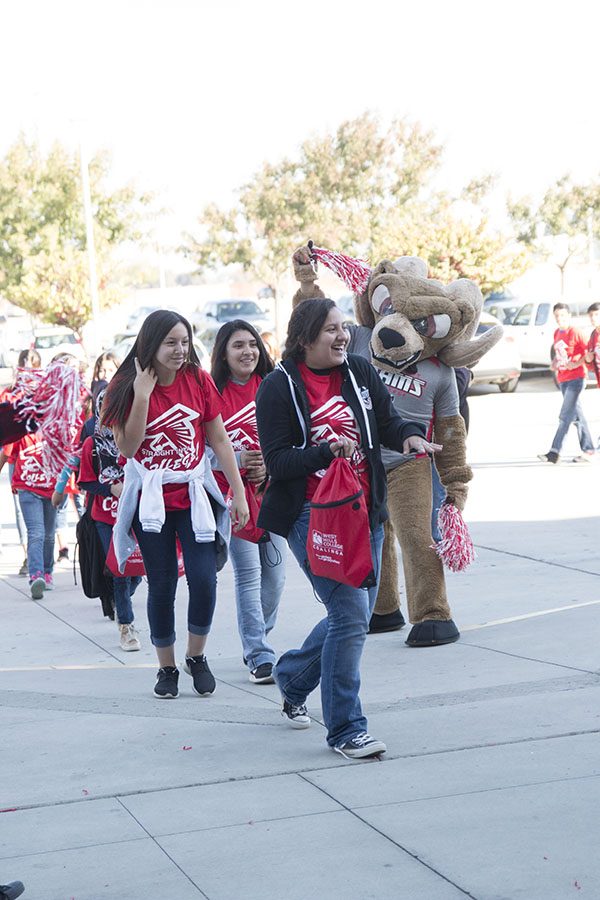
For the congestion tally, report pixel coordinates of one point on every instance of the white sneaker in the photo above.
(129, 638)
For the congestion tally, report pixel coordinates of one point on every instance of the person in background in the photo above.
(239, 364)
(27, 359)
(316, 405)
(592, 356)
(269, 339)
(570, 349)
(104, 368)
(163, 408)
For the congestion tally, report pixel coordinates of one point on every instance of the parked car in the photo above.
(125, 341)
(207, 321)
(503, 309)
(533, 328)
(51, 341)
(502, 364)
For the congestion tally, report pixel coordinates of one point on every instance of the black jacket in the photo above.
(284, 433)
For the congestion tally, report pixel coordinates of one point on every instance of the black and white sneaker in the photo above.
(166, 683)
(297, 716)
(360, 746)
(262, 674)
(551, 456)
(203, 680)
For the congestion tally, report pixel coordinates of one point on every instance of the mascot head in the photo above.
(413, 317)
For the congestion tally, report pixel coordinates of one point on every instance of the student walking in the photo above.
(570, 349)
(317, 405)
(239, 363)
(162, 408)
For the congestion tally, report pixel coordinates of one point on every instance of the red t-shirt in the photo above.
(594, 347)
(331, 418)
(239, 419)
(567, 344)
(102, 509)
(174, 436)
(29, 474)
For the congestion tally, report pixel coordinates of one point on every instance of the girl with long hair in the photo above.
(163, 408)
(316, 405)
(239, 364)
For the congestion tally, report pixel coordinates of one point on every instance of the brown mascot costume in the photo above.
(414, 330)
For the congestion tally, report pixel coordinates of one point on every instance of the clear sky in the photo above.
(191, 97)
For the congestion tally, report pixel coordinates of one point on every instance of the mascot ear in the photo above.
(467, 353)
(363, 310)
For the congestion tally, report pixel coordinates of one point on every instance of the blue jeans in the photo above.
(332, 651)
(18, 514)
(571, 413)
(438, 497)
(61, 513)
(123, 587)
(159, 553)
(40, 521)
(259, 571)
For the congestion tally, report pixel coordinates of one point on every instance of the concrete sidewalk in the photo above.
(490, 787)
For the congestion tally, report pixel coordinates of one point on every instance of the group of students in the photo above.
(171, 459)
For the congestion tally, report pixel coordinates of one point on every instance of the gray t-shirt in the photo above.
(428, 391)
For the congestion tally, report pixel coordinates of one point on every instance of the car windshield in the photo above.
(237, 309)
(46, 341)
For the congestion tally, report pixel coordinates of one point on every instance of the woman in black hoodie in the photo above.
(316, 405)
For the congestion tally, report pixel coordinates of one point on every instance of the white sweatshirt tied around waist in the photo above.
(147, 484)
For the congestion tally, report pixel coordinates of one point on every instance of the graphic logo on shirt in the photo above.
(172, 435)
(403, 383)
(331, 421)
(241, 428)
(32, 472)
(561, 349)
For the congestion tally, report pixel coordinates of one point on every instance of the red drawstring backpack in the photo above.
(251, 531)
(339, 538)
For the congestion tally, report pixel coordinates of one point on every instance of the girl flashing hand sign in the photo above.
(164, 409)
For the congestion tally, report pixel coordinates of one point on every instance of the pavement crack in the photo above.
(545, 562)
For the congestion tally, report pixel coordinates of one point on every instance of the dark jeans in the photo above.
(123, 587)
(159, 552)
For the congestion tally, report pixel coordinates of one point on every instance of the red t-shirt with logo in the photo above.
(594, 348)
(239, 419)
(29, 474)
(174, 436)
(102, 509)
(330, 419)
(567, 344)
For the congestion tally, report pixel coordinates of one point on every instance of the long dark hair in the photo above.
(304, 326)
(119, 392)
(111, 357)
(219, 368)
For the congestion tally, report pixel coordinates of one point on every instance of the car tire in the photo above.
(508, 387)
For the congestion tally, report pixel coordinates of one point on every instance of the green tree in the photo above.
(362, 191)
(561, 224)
(337, 190)
(43, 253)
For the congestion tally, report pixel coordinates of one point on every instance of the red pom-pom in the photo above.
(355, 273)
(456, 548)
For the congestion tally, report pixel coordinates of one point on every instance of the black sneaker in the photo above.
(202, 678)
(63, 555)
(166, 683)
(262, 674)
(551, 456)
(360, 746)
(297, 716)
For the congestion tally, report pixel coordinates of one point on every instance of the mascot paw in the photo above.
(432, 632)
(393, 621)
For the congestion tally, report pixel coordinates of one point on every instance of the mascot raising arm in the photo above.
(414, 330)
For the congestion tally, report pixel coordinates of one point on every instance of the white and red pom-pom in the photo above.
(53, 397)
(456, 548)
(355, 273)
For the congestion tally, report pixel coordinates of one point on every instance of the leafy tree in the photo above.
(559, 225)
(338, 190)
(43, 253)
(366, 193)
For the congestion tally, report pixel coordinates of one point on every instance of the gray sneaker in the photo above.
(360, 746)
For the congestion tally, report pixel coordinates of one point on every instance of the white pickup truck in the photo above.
(533, 328)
